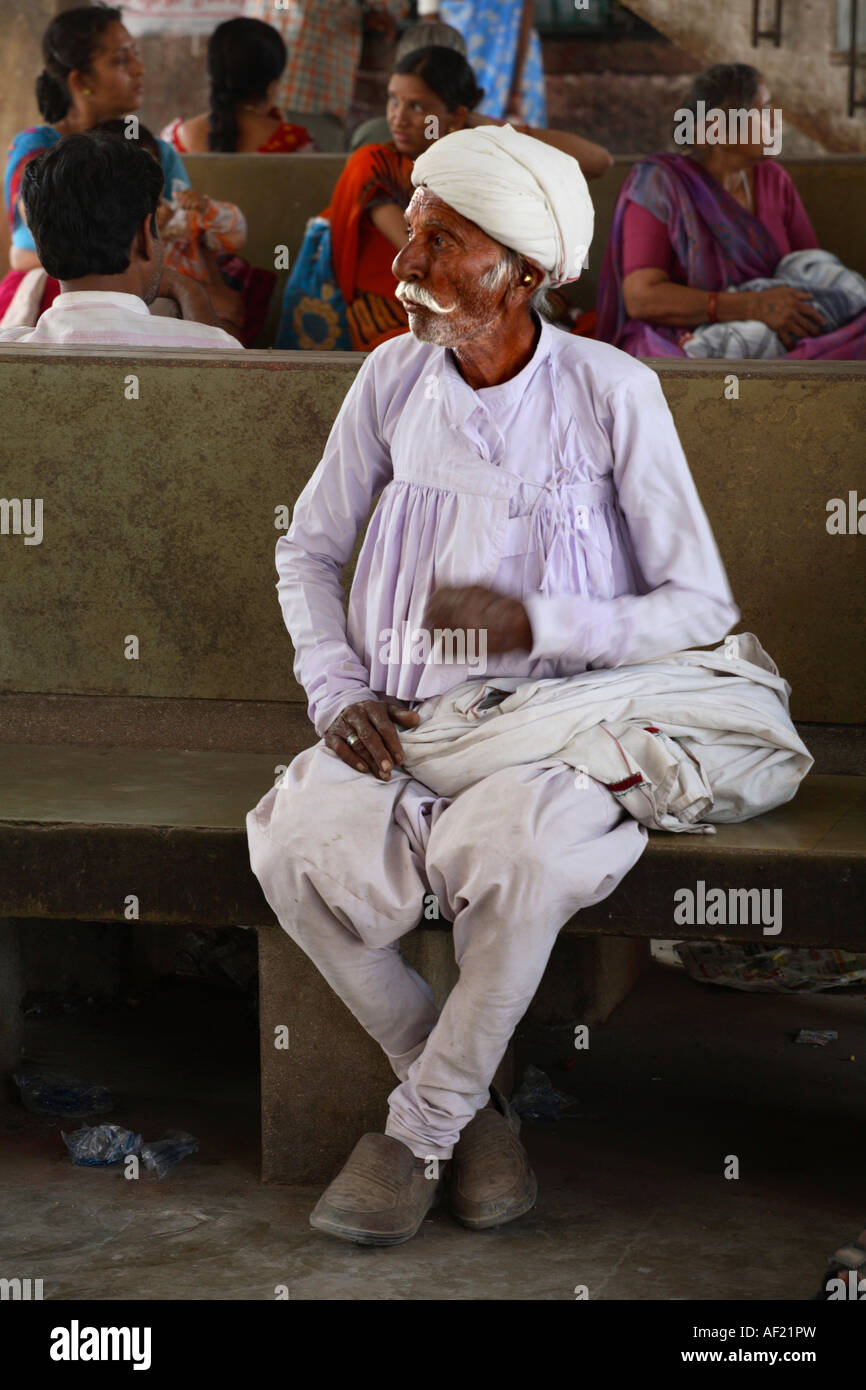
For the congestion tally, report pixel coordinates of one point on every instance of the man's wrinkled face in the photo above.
(439, 270)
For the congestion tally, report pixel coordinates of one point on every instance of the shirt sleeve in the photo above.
(172, 167)
(310, 558)
(686, 600)
(22, 237)
(26, 146)
(646, 243)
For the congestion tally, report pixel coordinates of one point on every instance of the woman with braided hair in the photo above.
(245, 59)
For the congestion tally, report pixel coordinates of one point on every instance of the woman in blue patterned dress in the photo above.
(504, 52)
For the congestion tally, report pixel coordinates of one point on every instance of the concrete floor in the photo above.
(633, 1202)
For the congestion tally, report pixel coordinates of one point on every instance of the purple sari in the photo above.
(717, 241)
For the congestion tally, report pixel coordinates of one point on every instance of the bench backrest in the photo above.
(159, 515)
(279, 193)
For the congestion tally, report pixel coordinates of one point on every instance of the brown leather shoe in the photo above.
(380, 1197)
(490, 1179)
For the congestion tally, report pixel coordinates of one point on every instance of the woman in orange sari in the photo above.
(341, 294)
(373, 192)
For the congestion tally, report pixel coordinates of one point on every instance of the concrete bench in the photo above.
(279, 193)
(166, 824)
(133, 776)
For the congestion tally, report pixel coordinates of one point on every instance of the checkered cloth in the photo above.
(323, 38)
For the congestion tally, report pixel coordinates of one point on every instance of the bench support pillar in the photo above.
(11, 997)
(587, 977)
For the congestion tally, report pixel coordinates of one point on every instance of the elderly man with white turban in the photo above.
(531, 488)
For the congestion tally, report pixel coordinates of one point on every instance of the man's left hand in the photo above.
(504, 620)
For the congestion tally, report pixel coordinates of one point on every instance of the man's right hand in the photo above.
(372, 722)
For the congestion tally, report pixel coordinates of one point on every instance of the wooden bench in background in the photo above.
(133, 776)
(278, 193)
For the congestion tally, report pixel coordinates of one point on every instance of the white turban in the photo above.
(520, 191)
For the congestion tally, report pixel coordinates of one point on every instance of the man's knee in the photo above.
(324, 834)
(289, 827)
(532, 835)
(319, 802)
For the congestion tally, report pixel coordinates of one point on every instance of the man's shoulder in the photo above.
(400, 359)
(174, 332)
(400, 351)
(203, 335)
(389, 378)
(608, 368)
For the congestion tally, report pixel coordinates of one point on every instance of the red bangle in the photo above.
(712, 304)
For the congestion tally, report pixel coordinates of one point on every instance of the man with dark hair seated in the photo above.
(91, 204)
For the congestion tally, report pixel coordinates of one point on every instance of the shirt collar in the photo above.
(465, 400)
(84, 299)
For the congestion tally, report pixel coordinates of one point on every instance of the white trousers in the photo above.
(345, 861)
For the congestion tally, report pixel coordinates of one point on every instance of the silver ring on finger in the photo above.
(352, 739)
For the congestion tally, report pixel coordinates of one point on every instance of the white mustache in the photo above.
(410, 293)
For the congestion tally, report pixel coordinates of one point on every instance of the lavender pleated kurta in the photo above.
(565, 487)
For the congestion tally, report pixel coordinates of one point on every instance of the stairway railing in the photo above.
(775, 33)
(854, 103)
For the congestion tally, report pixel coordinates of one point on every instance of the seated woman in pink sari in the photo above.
(688, 226)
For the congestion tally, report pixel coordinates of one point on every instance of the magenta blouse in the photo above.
(777, 204)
